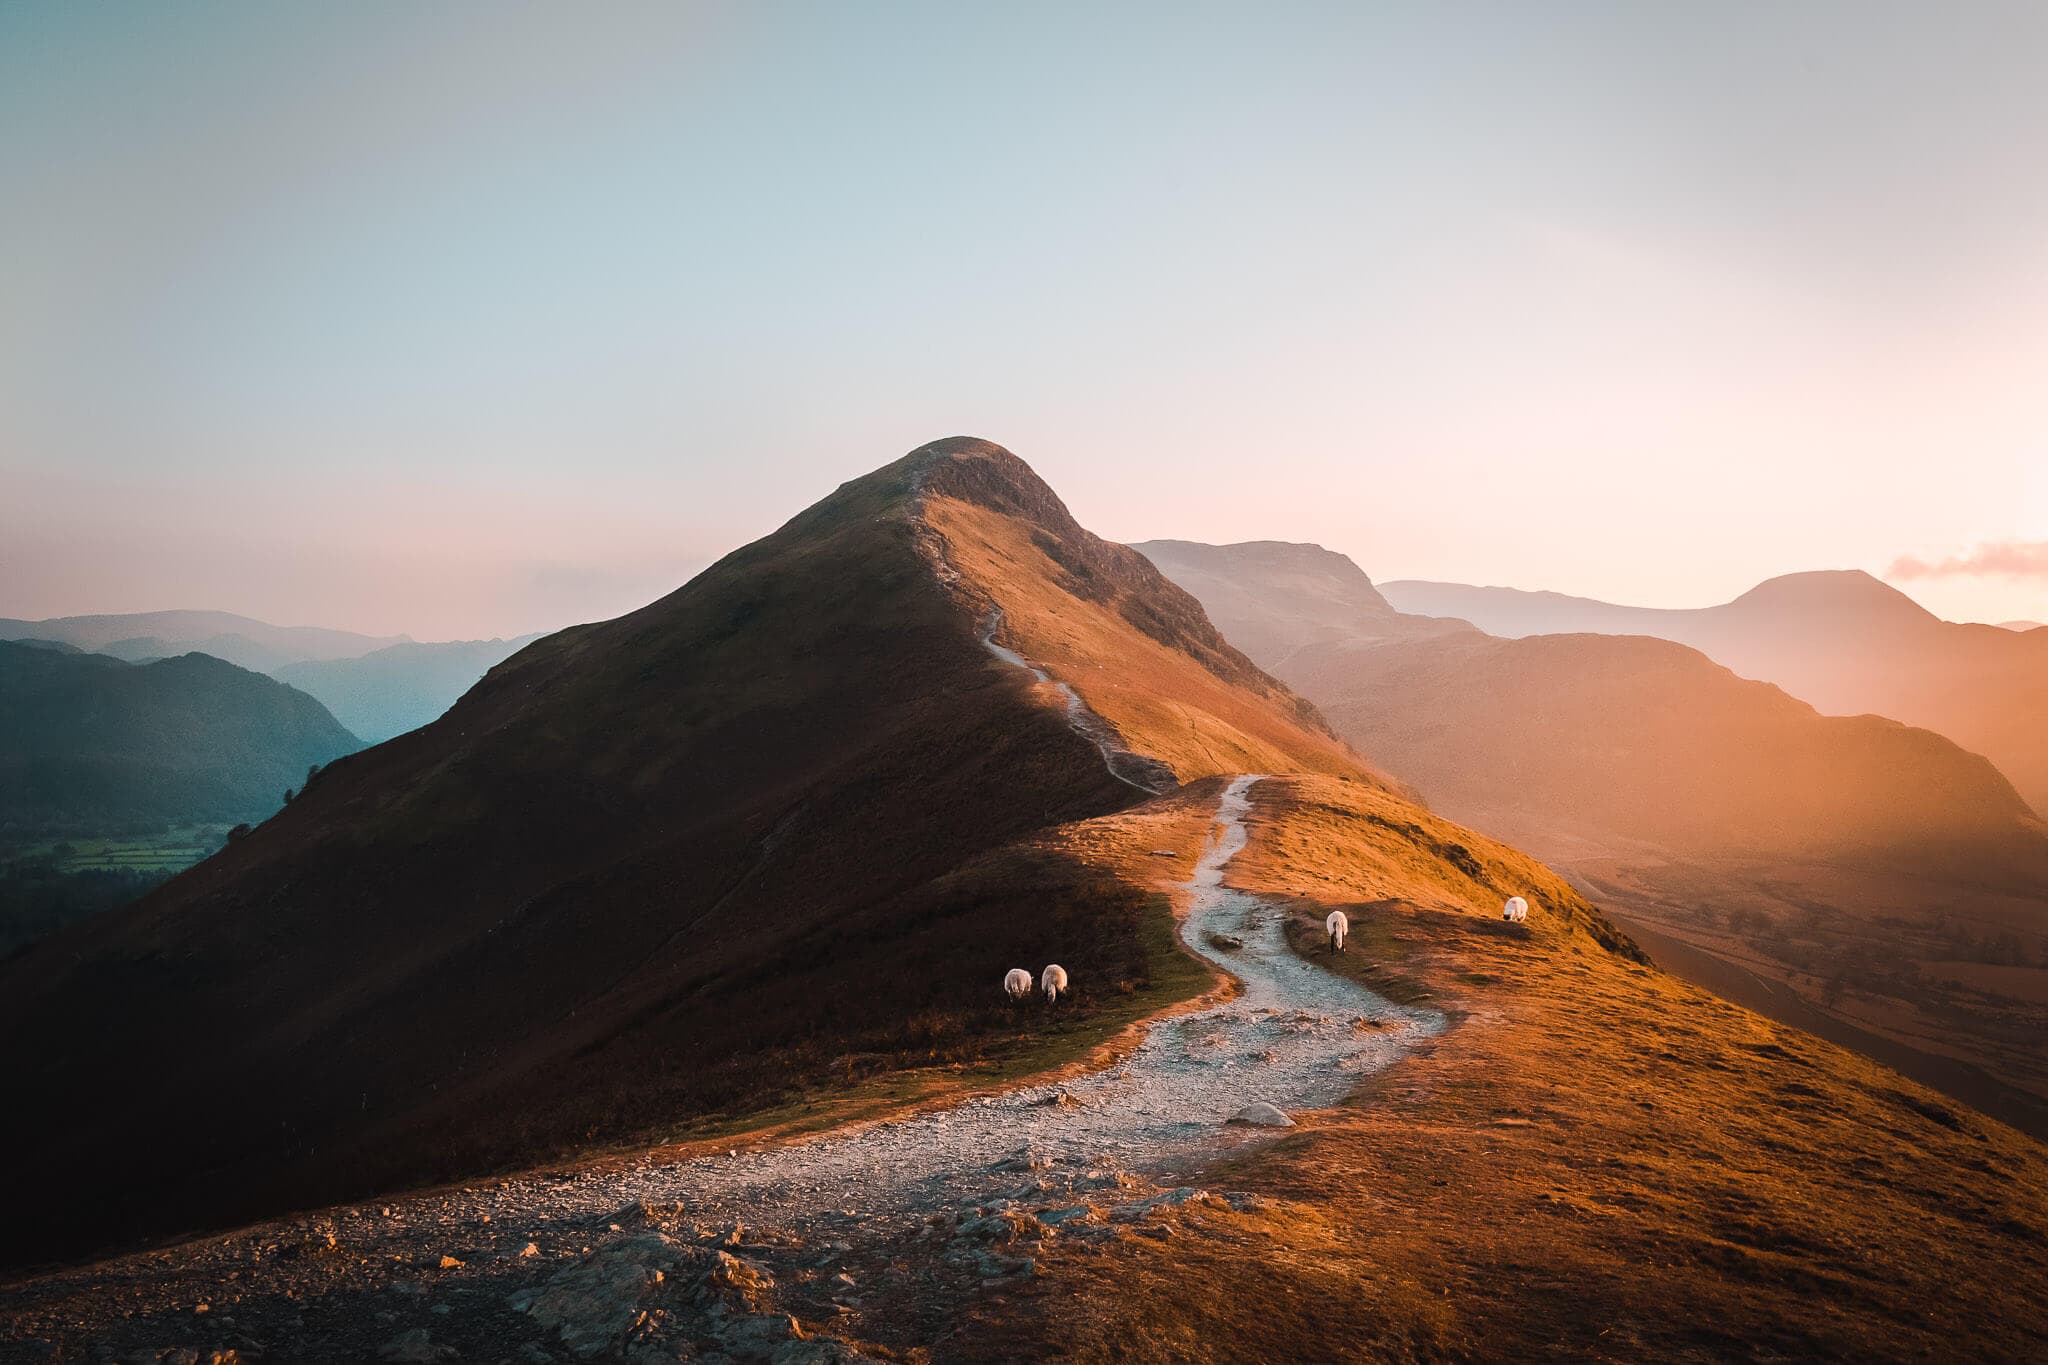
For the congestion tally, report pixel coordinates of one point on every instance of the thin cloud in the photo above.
(2002, 559)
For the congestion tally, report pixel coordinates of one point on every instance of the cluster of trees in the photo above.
(37, 897)
(2005, 949)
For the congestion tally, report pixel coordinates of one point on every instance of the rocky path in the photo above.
(875, 1233)
(1147, 774)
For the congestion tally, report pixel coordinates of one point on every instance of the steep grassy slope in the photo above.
(1840, 640)
(89, 744)
(400, 687)
(1597, 1161)
(682, 863)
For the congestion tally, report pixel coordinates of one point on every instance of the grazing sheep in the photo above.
(1017, 983)
(1336, 926)
(1515, 911)
(1052, 981)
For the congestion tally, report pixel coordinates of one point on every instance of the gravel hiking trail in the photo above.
(1148, 775)
(1091, 1156)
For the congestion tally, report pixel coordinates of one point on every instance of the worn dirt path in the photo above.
(1086, 1157)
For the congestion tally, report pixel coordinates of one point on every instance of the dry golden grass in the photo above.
(1596, 1161)
(1160, 700)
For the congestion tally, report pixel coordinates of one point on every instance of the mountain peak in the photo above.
(1832, 590)
(988, 475)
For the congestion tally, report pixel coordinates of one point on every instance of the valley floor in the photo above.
(1860, 959)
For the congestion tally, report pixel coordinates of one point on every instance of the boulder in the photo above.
(414, 1347)
(1001, 1228)
(1262, 1115)
(757, 1336)
(819, 1351)
(643, 1213)
(1179, 1197)
(593, 1305)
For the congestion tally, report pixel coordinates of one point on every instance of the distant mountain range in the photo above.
(377, 686)
(89, 743)
(247, 643)
(1842, 641)
(1586, 743)
(400, 687)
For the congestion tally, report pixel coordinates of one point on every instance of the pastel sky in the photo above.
(471, 320)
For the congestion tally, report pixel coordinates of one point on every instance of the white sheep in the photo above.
(1017, 983)
(1515, 911)
(1336, 926)
(1052, 981)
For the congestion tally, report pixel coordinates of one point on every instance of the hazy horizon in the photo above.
(398, 320)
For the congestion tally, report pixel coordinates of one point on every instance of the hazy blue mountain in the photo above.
(89, 743)
(402, 687)
(240, 640)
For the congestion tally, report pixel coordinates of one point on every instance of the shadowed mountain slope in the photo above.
(90, 744)
(683, 862)
(1841, 640)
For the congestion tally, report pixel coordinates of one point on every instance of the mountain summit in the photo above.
(1843, 592)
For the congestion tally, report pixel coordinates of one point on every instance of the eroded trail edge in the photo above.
(856, 1228)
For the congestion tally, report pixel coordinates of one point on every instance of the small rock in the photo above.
(818, 1351)
(1262, 1115)
(593, 1305)
(643, 1213)
(1053, 1218)
(1179, 1197)
(1025, 1161)
(1003, 1227)
(991, 1266)
(758, 1334)
(414, 1348)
